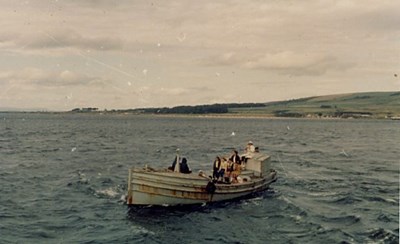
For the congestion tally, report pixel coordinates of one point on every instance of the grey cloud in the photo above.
(38, 77)
(380, 20)
(60, 39)
(261, 40)
(282, 62)
(69, 38)
(99, 3)
(202, 89)
(173, 91)
(297, 64)
(179, 91)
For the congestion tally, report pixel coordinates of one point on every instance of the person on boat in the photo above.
(234, 178)
(235, 173)
(216, 168)
(235, 157)
(184, 167)
(231, 166)
(248, 151)
(229, 169)
(224, 168)
(250, 147)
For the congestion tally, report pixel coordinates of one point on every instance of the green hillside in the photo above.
(356, 105)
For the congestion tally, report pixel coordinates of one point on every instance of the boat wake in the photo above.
(110, 192)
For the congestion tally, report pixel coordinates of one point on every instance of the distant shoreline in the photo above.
(365, 105)
(213, 116)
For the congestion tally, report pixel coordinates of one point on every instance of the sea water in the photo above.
(63, 178)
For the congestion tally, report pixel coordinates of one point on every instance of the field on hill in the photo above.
(355, 105)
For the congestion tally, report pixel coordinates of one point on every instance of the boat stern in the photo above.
(130, 194)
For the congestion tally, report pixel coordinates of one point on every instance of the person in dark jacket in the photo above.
(184, 167)
(235, 157)
(216, 167)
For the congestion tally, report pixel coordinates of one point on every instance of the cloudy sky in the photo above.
(63, 54)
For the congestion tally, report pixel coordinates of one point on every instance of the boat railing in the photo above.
(129, 197)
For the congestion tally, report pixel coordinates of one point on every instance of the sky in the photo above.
(58, 55)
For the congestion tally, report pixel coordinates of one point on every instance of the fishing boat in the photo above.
(163, 187)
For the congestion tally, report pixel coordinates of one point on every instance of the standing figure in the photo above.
(224, 168)
(235, 157)
(216, 168)
(229, 170)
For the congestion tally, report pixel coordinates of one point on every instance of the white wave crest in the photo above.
(110, 192)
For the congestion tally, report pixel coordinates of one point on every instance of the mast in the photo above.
(177, 164)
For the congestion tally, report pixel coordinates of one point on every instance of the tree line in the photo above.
(197, 109)
(200, 109)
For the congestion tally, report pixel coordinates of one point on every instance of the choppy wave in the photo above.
(64, 180)
(383, 236)
(348, 199)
